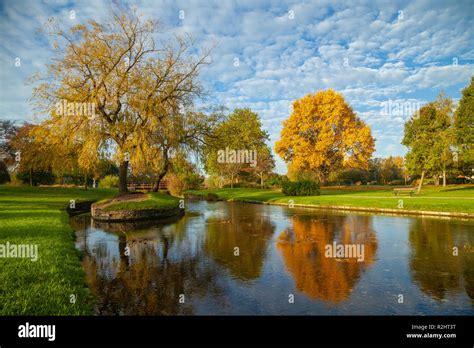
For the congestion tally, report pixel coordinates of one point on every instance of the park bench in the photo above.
(140, 187)
(401, 190)
(147, 186)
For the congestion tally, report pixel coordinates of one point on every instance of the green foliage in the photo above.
(352, 176)
(109, 181)
(38, 177)
(300, 188)
(4, 175)
(464, 129)
(429, 137)
(241, 130)
(186, 174)
(276, 180)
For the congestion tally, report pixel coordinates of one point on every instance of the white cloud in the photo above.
(281, 58)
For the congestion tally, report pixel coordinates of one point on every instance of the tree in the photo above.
(323, 134)
(179, 133)
(445, 139)
(464, 128)
(8, 129)
(111, 85)
(391, 169)
(419, 135)
(429, 137)
(265, 163)
(31, 154)
(235, 145)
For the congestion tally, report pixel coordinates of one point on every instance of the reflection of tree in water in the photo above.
(150, 280)
(245, 227)
(434, 267)
(303, 250)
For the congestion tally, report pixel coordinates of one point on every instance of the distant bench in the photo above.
(410, 190)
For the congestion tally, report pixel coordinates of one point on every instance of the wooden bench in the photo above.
(401, 190)
(147, 186)
(140, 187)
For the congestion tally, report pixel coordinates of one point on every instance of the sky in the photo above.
(386, 57)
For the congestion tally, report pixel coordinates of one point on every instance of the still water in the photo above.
(237, 258)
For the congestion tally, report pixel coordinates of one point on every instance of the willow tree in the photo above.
(322, 135)
(111, 83)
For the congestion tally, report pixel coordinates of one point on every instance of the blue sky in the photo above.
(373, 52)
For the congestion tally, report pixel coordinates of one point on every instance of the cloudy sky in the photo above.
(269, 53)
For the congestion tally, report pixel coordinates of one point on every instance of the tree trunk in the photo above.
(161, 175)
(123, 189)
(261, 180)
(421, 181)
(31, 176)
(232, 180)
(444, 178)
(436, 179)
(164, 170)
(85, 182)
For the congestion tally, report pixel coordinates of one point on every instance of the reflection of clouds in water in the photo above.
(281, 251)
(433, 266)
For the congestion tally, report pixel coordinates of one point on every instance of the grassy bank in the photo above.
(153, 200)
(455, 198)
(37, 216)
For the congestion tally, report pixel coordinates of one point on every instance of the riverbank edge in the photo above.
(102, 211)
(347, 208)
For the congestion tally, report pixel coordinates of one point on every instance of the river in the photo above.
(225, 258)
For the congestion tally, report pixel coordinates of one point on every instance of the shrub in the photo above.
(109, 181)
(300, 188)
(276, 180)
(193, 181)
(175, 185)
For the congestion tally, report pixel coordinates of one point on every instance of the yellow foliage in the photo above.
(324, 134)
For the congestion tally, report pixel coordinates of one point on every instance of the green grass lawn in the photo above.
(153, 201)
(36, 215)
(453, 198)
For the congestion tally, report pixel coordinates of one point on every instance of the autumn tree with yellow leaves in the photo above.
(322, 135)
(111, 84)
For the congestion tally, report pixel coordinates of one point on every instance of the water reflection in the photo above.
(143, 268)
(303, 249)
(442, 258)
(142, 271)
(242, 227)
